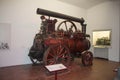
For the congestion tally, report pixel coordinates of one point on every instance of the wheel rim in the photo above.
(87, 58)
(57, 54)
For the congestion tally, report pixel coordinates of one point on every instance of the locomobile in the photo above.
(61, 44)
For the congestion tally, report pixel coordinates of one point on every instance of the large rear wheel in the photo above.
(57, 54)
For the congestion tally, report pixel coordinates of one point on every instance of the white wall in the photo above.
(21, 15)
(25, 23)
(106, 16)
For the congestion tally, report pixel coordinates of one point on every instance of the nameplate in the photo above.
(55, 67)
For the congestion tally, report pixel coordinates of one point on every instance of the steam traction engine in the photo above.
(60, 46)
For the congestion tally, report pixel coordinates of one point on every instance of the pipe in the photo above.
(59, 15)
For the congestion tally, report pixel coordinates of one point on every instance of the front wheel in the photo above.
(87, 58)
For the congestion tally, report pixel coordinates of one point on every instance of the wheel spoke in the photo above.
(62, 54)
(50, 62)
(53, 51)
(51, 54)
(66, 25)
(58, 50)
(61, 50)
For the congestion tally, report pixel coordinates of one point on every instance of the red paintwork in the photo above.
(75, 44)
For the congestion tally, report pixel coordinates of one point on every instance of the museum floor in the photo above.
(101, 70)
